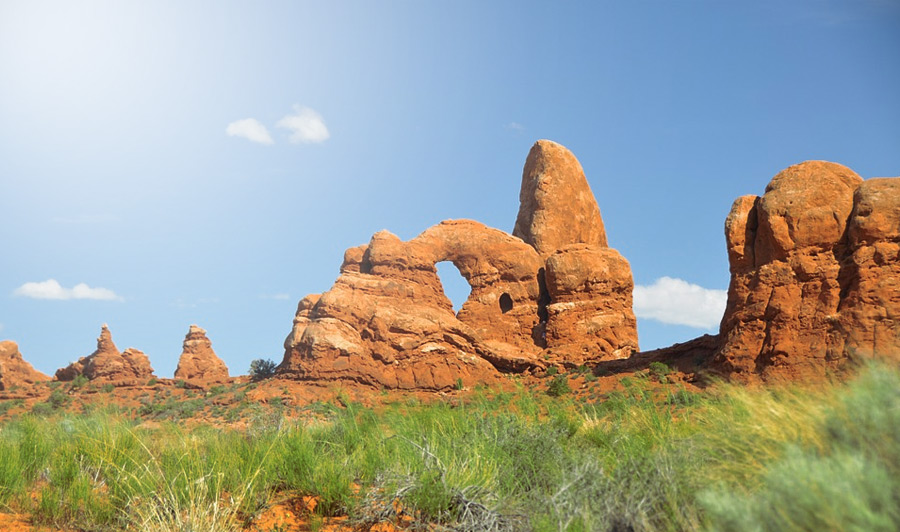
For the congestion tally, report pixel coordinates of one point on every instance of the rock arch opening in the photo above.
(455, 286)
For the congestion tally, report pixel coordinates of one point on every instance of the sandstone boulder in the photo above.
(590, 314)
(556, 205)
(814, 274)
(108, 365)
(198, 363)
(14, 370)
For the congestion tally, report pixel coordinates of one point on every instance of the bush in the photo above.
(559, 386)
(262, 368)
(78, 382)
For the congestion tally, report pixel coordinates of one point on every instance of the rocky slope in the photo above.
(14, 370)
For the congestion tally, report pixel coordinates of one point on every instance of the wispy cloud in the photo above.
(250, 129)
(515, 126)
(306, 126)
(51, 289)
(183, 303)
(83, 219)
(275, 296)
(679, 302)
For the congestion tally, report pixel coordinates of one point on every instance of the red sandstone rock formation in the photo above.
(556, 205)
(14, 370)
(107, 364)
(815, 275)
(199, 363)
(387, 322)
(590, 291)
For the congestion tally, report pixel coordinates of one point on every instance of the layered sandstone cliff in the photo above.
(815, 274)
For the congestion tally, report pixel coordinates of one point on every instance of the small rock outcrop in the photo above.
(14, 370)
(815, 274)
(107, 364)
(551, 293)
(199, 364)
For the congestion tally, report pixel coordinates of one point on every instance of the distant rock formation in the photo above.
(198, 363)
(107, 364)
(560, 296)
(815, 274)
(14, 370)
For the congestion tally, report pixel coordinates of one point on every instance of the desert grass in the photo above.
(649, 458)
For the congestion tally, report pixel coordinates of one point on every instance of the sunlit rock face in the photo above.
(106, 364)
(14, 370)
(198, 363)
(552, 292)
(815, 275)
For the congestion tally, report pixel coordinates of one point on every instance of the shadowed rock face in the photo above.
(198, 363)
(14, 370)
(107, 364)
(814, 274)
(387, 322)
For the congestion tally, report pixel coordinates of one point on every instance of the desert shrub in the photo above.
(558, 386)
(78, 382)
(659, 370)
(262, 368)
(8, 404)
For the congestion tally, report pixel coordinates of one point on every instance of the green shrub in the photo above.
(8, 404)
(78, 382)
(559, 386)
(262, 368)
(660, 370)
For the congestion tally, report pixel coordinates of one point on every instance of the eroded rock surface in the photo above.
(387, 322)
(14, 370)
(814, 274)
(107, 364)
(556, 205)
(590, 308)
(198, 363)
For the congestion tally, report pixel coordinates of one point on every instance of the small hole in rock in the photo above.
(505, 303)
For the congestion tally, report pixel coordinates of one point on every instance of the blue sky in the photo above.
(128, 161)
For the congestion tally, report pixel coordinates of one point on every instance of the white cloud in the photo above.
(515, 126)
(51, 289)
(281, 296)
(306, 125)
(250, 129)
(679, 302)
